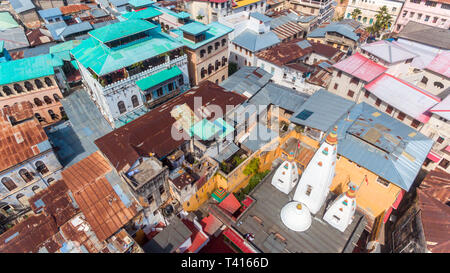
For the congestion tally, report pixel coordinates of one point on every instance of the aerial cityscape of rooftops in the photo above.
(224, 126)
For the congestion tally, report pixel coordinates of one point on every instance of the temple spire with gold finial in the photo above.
(332, 136)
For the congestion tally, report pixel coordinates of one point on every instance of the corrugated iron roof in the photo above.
(260, 17)
(284, 53)
(103, 207)
(73, 8)
(342, 29)
(426, 34)
(441, 64)
(287, 30)
(247, 81)
(437, 185)
(360, 67)
(326, 109)
(21, 141)
(387, 51)
(404, 96)
(443, 108)
(435, 218)
(394, 151)
(255, 42)
(46, 13)
(20, 6)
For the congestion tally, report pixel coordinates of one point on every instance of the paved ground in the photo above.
(74, 139)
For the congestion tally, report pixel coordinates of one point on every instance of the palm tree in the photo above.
(355, 13)
(382, 22)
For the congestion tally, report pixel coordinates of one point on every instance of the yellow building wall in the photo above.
(237, 180)
(372, 197)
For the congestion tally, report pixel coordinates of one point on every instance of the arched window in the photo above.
(38, 102)
(217, 64)
(18, 88)
(61, 111)
(223, 77)
(224, 61)
(39, 118)
(216, 45)
(7, 90)
(224, 41)
(217, 81)
(52, 114)
(41, 167)
(38, 83)
(28, 86)
(210, 68)
(50, 180)
(26, 175)
(48, 82)
(122, 108)
(134, 101)
(438, 85)
(202, 53)
(8, 183)
(35, 189)
(22, 201)
(47, 100)
(210, 49)
(56, 97)
(203, 72)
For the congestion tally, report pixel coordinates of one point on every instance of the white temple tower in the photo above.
(296, 216)
(286, 176)
(315, 182)
(341, 212)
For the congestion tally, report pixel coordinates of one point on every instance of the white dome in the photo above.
(296, 216)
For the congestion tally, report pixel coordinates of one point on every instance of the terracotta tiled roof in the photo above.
(152, 132)
(19, 142)
(73, 8)
(104, 210)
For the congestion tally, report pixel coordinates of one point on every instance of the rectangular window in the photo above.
(383, 182)
(378, 102)
(445, 6)
(339, 74)
(150, 199)
(440, 140)
(430, 3)
(170, 86)
(435, 19)
(366, 94)
(389, 109)
(419, 16)
(335, 85)
(415, 123)
(411, 14)
(444, 163)
(427, 18)
(401, 116)
(159, 92)
(161, 189)
(350, 93)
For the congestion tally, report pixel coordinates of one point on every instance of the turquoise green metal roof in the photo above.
(216, 30)
(158, 78)
(205, 129)
(75, 64)
(140, 3)
(142, 14)
(66, 46)
(102, 60)
(180, 15)
(121, 29)
(194, 28)
(7, 21)
(28, 68)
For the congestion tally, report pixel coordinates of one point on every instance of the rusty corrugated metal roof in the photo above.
(435, 221)
(437, 185)
(104, 210)
(19, 142)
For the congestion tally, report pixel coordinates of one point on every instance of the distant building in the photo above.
(29, 163)
(207, 51)
(323, 9)
(369, 10)
(424, 37)
(118, 56)
(345, 37)
(33, 80)
(51, 15)
(251, 35)
(432, 13)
